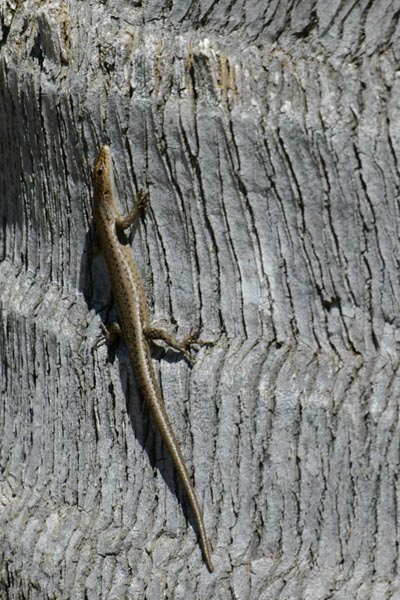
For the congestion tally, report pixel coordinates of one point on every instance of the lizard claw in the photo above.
(142, 199)
(193, 340)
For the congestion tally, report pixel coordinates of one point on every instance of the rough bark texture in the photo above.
(268, 136)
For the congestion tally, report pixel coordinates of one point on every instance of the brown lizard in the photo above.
(133, 313)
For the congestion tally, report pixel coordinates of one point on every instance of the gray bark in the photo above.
(268, 136)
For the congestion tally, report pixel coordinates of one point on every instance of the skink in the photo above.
(133, 313)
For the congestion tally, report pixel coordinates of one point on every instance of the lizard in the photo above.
(134, 320)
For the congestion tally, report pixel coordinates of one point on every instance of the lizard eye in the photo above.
(99, 172)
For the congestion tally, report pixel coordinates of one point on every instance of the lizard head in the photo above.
(103, 178)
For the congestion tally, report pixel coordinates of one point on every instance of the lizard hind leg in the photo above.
(110, 337)
(184, 346)
(113, 334)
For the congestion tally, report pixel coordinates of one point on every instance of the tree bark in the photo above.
(268, 137)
